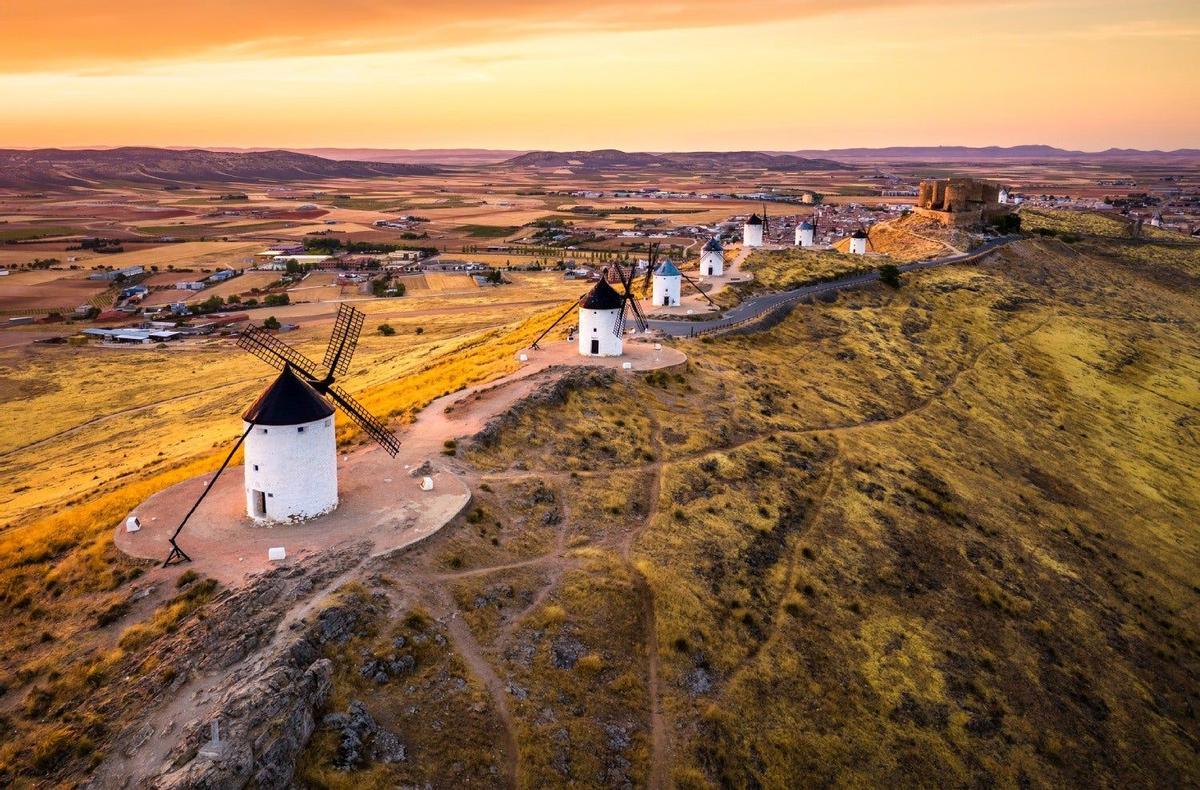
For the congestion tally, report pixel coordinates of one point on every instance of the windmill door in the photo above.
(710, 270)
(595, 345)
(260, 503)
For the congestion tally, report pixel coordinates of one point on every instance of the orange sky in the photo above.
(690, 74)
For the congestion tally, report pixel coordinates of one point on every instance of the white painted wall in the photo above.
(712, 264)
(296, 469)
(804, 237)
(752, 235)
(598, 325)
(665, 291)
(858, 246)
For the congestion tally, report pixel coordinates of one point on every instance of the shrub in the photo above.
(271, 323)
(387, 330)
(889, 275)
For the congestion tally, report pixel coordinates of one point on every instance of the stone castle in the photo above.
(958, 201)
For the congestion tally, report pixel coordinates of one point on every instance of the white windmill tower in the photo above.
(1156, 221)
(858, 242)
(602, 316)
(291, 452)
(804, 234)
(667, 282)
(752, 232)
(600, 325)
(291, 455)
(1003, 198)
(712, 259)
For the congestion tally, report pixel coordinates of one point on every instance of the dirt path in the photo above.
(659, 737)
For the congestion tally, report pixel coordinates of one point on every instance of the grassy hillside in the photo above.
(941, 535)
(938, 535)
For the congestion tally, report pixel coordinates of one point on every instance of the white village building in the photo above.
(666, 286)
(752, 232)
(291, 453)
(712, 259)
(599, 313)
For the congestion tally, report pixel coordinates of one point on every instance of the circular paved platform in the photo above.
(379, 499)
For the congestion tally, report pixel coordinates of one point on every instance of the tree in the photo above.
(387, 330)
(276, 300)
(234, 299)
(271, 323)
(889, 275)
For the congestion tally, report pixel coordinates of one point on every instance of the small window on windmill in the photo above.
(264, 430)
(256, 467)
(300, 429)
(327, 423)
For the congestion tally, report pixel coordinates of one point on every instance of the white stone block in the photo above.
(276, 553)
(524, 357)
(133, 524)
(627, 365)
(426, 483)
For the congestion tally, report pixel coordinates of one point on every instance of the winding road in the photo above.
(760, 305)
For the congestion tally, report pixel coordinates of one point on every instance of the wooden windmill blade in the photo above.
(344, 340)
(651, 258)
(619, 324)
(639, 317)
(371, 425)
(276, 353)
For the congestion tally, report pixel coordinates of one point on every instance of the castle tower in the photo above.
(598, 315)
(291, 453)
(712, 259)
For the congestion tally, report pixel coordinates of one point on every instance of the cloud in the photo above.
(86, 35)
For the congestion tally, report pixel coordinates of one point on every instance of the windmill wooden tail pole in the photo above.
(340, 350)
(177, 554)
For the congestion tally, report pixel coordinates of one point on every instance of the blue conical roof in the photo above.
(712, 245)
(667, 269)
(806, 225)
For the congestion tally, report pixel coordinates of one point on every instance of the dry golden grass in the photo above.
(935, 535)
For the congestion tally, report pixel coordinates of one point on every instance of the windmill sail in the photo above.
(344, 339)
(367, 421)
(275, 352)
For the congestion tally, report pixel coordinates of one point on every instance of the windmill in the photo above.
(689, 280)
(603, 308)
(766, 224)
(297, 401)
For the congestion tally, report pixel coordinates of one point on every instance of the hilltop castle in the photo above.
(958, 201)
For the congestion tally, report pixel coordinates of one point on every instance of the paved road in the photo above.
(764, 303)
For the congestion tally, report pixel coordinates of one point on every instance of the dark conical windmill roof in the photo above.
(858, 234)
(288, 401)
(602, 297)
(712, 245)
(806, 225)
(754, 220)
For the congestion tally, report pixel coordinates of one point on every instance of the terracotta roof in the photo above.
(288, 401)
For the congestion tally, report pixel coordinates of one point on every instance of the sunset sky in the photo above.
(563, 74)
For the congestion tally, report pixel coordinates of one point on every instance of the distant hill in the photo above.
(53, 167)
(950, 153)
(697, 160)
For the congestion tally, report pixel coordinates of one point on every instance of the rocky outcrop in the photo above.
(267, 717)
